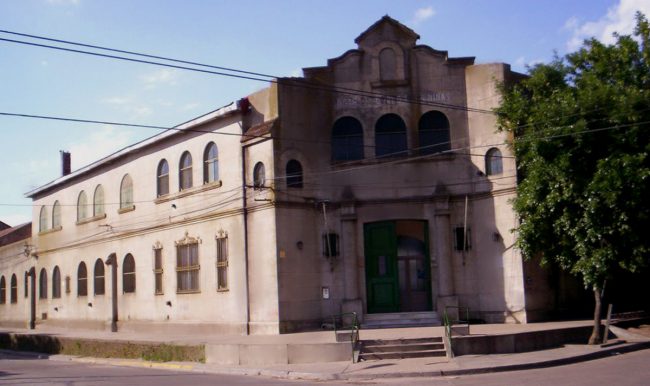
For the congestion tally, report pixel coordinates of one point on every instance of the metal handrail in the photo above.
(354, 328)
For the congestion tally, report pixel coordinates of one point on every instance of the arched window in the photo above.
(162, 179)
(294, 174)
(493, 162)
(82, 280)
(259, 175)
(14, 289)
(42, 219)
(433, 131)
(42, 284)
(210, 163)
(126, 192)
(347, 139)
(390, 136)
(56, 215)
(98, 201)
(128, 274)
(99, 277)
(3, 290)
(56, 283)
(26, 284)
(387, 64)
(185, 171)
(82, 205)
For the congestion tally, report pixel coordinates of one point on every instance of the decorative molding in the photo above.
(188, 240)
(188, 192)
(221, 234)
(51, 230)
(91, 219)
(126, 209)
(158, 245)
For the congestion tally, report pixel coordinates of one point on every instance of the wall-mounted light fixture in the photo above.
(169, 303)
(90, 305)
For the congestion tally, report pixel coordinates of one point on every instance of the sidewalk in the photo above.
(417, 367)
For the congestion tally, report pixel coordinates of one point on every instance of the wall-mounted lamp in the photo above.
(169, 303)
(90, 305)
(173, 206)
(56, 309)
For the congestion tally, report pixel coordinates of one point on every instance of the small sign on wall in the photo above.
(326, 292)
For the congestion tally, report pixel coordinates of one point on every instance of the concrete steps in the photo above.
(401, 319)
(401, 348)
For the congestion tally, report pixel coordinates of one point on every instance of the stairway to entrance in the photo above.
(401, 319)
(401, 348)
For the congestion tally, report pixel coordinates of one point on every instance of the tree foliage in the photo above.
(581, 138)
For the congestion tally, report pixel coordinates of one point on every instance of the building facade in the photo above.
(375, 184)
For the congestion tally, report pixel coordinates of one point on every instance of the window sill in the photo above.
(126, 209)
(188, 292)
(52, 230)
(91, 219)
(188, 192)
(223, 289)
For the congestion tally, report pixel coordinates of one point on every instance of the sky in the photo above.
(278, 37)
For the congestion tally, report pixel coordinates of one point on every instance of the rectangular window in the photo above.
(158, 271)
(26, 284)
(187, 268)
(67, 284)
(460, 241)
(330, 245)
(222, 263)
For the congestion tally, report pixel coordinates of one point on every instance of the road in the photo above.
(627, 369)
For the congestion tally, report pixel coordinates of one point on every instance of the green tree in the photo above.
(581, 139)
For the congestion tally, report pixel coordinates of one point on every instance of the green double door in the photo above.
(397, 266)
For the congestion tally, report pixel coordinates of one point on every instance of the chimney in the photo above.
(65, 162)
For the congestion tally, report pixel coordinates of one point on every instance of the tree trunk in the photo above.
(595, 337)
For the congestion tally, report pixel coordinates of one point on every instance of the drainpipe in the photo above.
(32, 314)
(245, 223)
(112, 261)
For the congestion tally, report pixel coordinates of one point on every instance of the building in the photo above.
(375, 184)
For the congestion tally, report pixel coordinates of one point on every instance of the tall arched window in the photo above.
(210, 163)
(390, 136)
(56, 283)
(56, 215)
(294, 174)
(128, 274)
(98, 201)
(3, 290)
(387, 64)
(99, 277)
(162, 179)
(126, 192)
(26, 284)
(14, 289)
(259, 175)
(82, 206)
(433, 132)
(42, 219)
(42, 284)
(82, 280)
(493, 162)
(185, 171)
(347, 139)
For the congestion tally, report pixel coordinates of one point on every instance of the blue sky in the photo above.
(274, 37)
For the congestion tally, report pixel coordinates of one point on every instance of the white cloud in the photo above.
(14, 219)
(164, 76)
(129, 105)
(422, 14)
(619, 18)
(100, 143)
(190, 106)
(296, 73)
(63, 2)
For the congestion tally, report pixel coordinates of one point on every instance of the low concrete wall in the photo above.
(280, 353)
(519, 342)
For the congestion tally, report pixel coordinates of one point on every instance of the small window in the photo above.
(210, 164)
(222, 263)
(294, 174)
(42, 284)
(43, 220)
(126, 192)
(56, 215)
(162, 180)
(82, 206)
(14, 289)
(128, 274)
(56, 283)
(347, 139)
(82, 280)
(187, 268)
(462, 239)
(98, 201)
(3, 291)
(99, 285)
(67, 284)
(259, 176)
(390, 136)
(330, 244)
(433, 132)
(158, 271)
(493, 162)
(185, 171)
(26, 284)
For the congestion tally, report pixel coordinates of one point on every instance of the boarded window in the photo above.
(128, 274)
(82, 206)
(42, 284)
(222, 263)
(42, 220)
(99, 278)
(126, 192)
(98, 201)
(387, 64)
(82, 280)
(158, 271)
(14, 289)
(56, 283)
(3, 290)
(56, 215)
